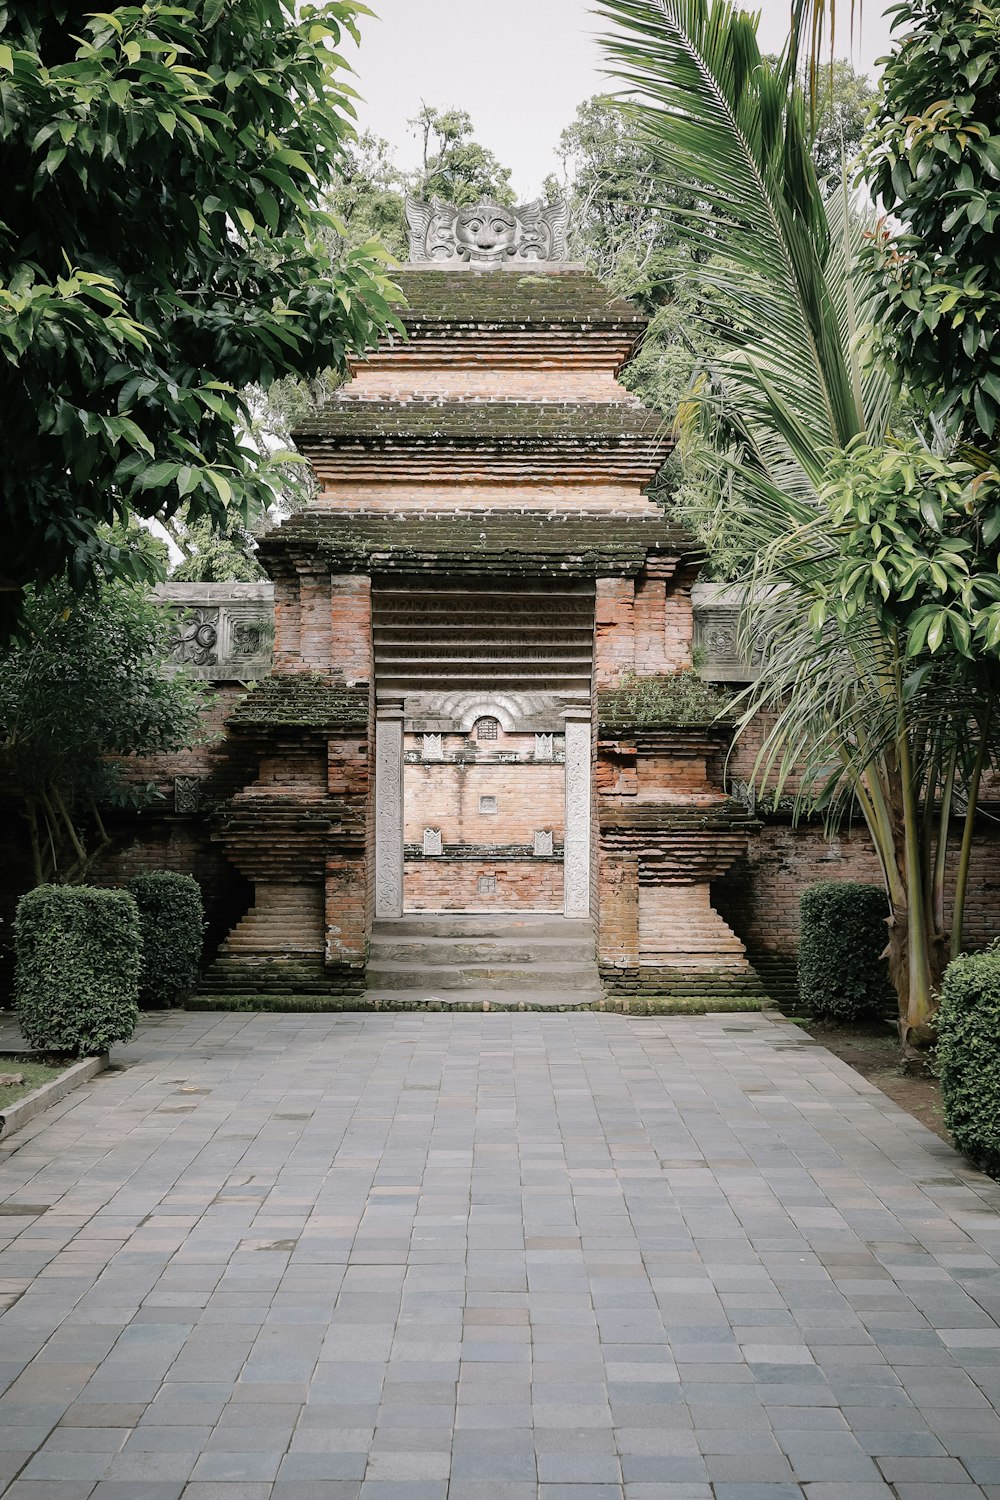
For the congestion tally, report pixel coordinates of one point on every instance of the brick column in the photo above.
(614, 636)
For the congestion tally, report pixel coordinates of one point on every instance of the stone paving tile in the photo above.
(495, 1257)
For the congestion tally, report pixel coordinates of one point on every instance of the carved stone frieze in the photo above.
(576, 876)
(485, 236)
(224, 631)
(389, 813)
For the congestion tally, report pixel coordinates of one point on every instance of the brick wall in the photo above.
(392, 494)
(759, 897)
(529, 798)
(510, 382)
(453, 885)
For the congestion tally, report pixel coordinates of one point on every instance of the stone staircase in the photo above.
(540, 961)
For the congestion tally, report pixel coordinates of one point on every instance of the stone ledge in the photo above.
(22, 1110)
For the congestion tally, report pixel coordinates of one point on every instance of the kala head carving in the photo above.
(485, 236)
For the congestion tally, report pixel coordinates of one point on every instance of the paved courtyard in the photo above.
(493, 1257)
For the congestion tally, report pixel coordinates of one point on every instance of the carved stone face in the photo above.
(485, 232)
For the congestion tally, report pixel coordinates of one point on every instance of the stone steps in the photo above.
(506, 959)
(516, 926)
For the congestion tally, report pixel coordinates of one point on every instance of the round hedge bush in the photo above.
(843, 934)
(76, 976)
(172, 922)
(968, 1054)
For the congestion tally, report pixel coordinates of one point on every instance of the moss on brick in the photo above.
(302, 700)
(560, 299)
(507, 543)
(518, 424)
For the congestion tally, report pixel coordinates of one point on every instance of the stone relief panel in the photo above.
(716, 635)
(544, 843)
(545, 746)
(187, 794)
(224, 632)
(196, 638)
(432, 747)
(432, 841)
(485, 236)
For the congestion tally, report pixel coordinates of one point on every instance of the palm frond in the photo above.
(732, 128)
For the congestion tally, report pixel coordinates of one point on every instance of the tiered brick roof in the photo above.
(490, 542)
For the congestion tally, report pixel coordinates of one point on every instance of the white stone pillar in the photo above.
(389, 810)
(576, 860)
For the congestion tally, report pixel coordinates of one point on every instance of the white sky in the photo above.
(519, 67)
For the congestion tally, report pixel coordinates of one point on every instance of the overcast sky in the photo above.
(520, 68)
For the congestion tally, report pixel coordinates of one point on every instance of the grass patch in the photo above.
(35, 1074)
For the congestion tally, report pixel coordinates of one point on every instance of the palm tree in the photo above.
(853, 720)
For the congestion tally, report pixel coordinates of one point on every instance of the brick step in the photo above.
(578, 977)
(438, 950)
(531, 998)
(517, 926)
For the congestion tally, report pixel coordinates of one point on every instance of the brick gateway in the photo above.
(443, 725)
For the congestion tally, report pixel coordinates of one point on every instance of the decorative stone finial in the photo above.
(485, 236)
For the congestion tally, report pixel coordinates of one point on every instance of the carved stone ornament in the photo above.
(187, 794)
(196, 638)
(485, 236)
(251, 637)
(545, 746)
(432, 841)
(543, 843)
(433, 747)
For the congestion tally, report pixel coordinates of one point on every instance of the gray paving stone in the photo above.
(532, 1257)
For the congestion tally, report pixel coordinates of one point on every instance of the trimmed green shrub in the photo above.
(172, 922)
(76, 977)
(968, 1054)
(843, 934)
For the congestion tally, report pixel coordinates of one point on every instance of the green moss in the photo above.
(503, 300)
(519, 543)
(672, 700)
(302, 700)
(644, 1005)
(495, 423)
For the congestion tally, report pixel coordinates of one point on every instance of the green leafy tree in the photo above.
(616, 222)
(844, 103)
(455, 166)
(871, 568)
(82, 686)
(933, 157)
(368, 198)
(160, 251)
